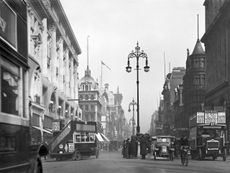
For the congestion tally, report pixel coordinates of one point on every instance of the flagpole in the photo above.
(101, 76)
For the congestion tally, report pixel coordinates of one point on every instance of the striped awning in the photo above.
(105, 138)
(99, 138)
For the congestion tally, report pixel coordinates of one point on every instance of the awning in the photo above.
(105, 138)
(44, 130)
(99, 138)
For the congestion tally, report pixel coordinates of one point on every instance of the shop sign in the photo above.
(85, 127)
(200, 117)
(210, 117)
(221, 118)
(7, 24)
(56, 126)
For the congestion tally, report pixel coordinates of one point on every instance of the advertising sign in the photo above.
(56, 126)
(210, 117)
(7, 24)
(221, 118)
(86, 127)
(200, 117)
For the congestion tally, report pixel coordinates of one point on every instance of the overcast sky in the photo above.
(114, 27)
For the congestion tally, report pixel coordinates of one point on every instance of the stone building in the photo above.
(217, 46)
(119, 116)
(194, 83)
(53, 60)
(89, 98)
(178, 111)
(173, 79)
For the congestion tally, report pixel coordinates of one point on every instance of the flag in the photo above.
(105, 65)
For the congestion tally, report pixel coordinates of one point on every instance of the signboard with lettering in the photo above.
(221, 118)
(86, 127)
(200, 117)
(8, 27)
(56, 126)
(210, 117)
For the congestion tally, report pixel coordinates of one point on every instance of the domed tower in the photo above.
(89, 99)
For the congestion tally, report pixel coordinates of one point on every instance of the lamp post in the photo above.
(137, 54)
(133, 103)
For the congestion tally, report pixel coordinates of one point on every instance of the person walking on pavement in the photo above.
(143, 146)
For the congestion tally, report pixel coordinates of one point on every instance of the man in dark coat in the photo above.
(133, 146)
(143, 146)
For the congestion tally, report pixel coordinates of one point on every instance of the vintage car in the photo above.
(164, 146)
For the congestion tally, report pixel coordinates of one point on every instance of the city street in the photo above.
(112, 162)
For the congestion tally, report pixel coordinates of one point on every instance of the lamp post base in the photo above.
(138, 129)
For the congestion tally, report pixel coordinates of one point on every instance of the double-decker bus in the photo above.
(75, 140)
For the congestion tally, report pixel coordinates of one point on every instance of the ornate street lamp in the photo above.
(133, 103)
(137, 54)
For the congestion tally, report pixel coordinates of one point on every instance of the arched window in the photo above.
(92, 108)
(86, 88)
(86, 97)
(86, 107)
(92, 97)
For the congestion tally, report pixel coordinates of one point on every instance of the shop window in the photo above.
(9, 91)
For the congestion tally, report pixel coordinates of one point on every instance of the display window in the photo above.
(11, 87)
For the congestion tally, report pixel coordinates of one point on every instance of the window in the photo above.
(92, 97)
(92, 108)
(86, 107)
(49, 49)
(9, 87)
(86, 87)
(202, 63)
(86, 97)
(84, 137)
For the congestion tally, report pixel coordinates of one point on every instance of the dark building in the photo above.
(178, 111)
(13, 60)
(217, 45)
(194, 83)
(173, 79)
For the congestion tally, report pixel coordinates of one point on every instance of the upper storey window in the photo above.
(8, 25)
(202, 63)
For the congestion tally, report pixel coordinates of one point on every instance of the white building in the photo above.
(53, 60)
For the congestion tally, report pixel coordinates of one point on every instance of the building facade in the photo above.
(194, 83)
(53, 60)
(217, 46)
(14, 102)
(173, 79)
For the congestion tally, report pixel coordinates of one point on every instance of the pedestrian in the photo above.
(133, 146)
(143, 146)
(123, 148)
(128, 148)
